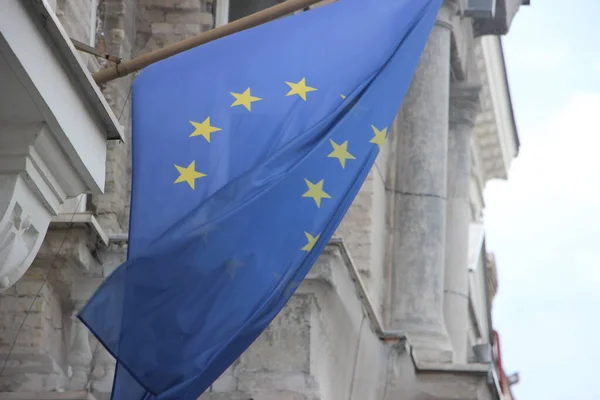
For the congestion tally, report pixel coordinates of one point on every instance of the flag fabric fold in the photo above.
(247, 153)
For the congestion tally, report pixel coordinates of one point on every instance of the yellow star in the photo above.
(300, 89)
(204, 129)
(316, 192)
(189, 174)
(312, 240)
(343, 97)
(340, 151)
(244, 99)
(379, 138)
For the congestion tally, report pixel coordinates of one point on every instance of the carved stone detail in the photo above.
(35, 179)
(24, 216)
(18, 239)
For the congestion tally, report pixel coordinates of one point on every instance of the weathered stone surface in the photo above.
(31, 309)
(405, 383)
(363, 229)
(282, 346)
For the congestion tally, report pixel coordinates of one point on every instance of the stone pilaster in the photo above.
(79, 352)
(420, 201)
(103, 372)
(464, 106)
(92, 367)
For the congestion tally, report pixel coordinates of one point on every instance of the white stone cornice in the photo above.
(53, 131)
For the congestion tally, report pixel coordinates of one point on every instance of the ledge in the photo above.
(80, 219)
(334, 277)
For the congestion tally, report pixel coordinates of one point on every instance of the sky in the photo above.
(543, 223)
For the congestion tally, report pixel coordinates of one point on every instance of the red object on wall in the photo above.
(498, 361)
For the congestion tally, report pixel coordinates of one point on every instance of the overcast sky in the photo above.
(543, 224)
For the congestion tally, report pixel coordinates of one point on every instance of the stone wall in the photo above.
(162, 22)
(365, 229)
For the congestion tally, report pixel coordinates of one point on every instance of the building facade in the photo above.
(398, 306)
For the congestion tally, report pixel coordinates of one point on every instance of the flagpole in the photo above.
(125, 68)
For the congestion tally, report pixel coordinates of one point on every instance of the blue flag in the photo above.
(247, 153)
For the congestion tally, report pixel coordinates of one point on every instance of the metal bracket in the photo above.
(94, 51)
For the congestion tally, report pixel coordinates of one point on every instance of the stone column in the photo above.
(420, 201)
(464, 106)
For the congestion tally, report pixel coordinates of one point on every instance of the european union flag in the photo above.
(247, 153)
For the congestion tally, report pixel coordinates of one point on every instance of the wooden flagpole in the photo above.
(127, 67)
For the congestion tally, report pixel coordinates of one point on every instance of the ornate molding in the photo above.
(53, 131)
(495, 130)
